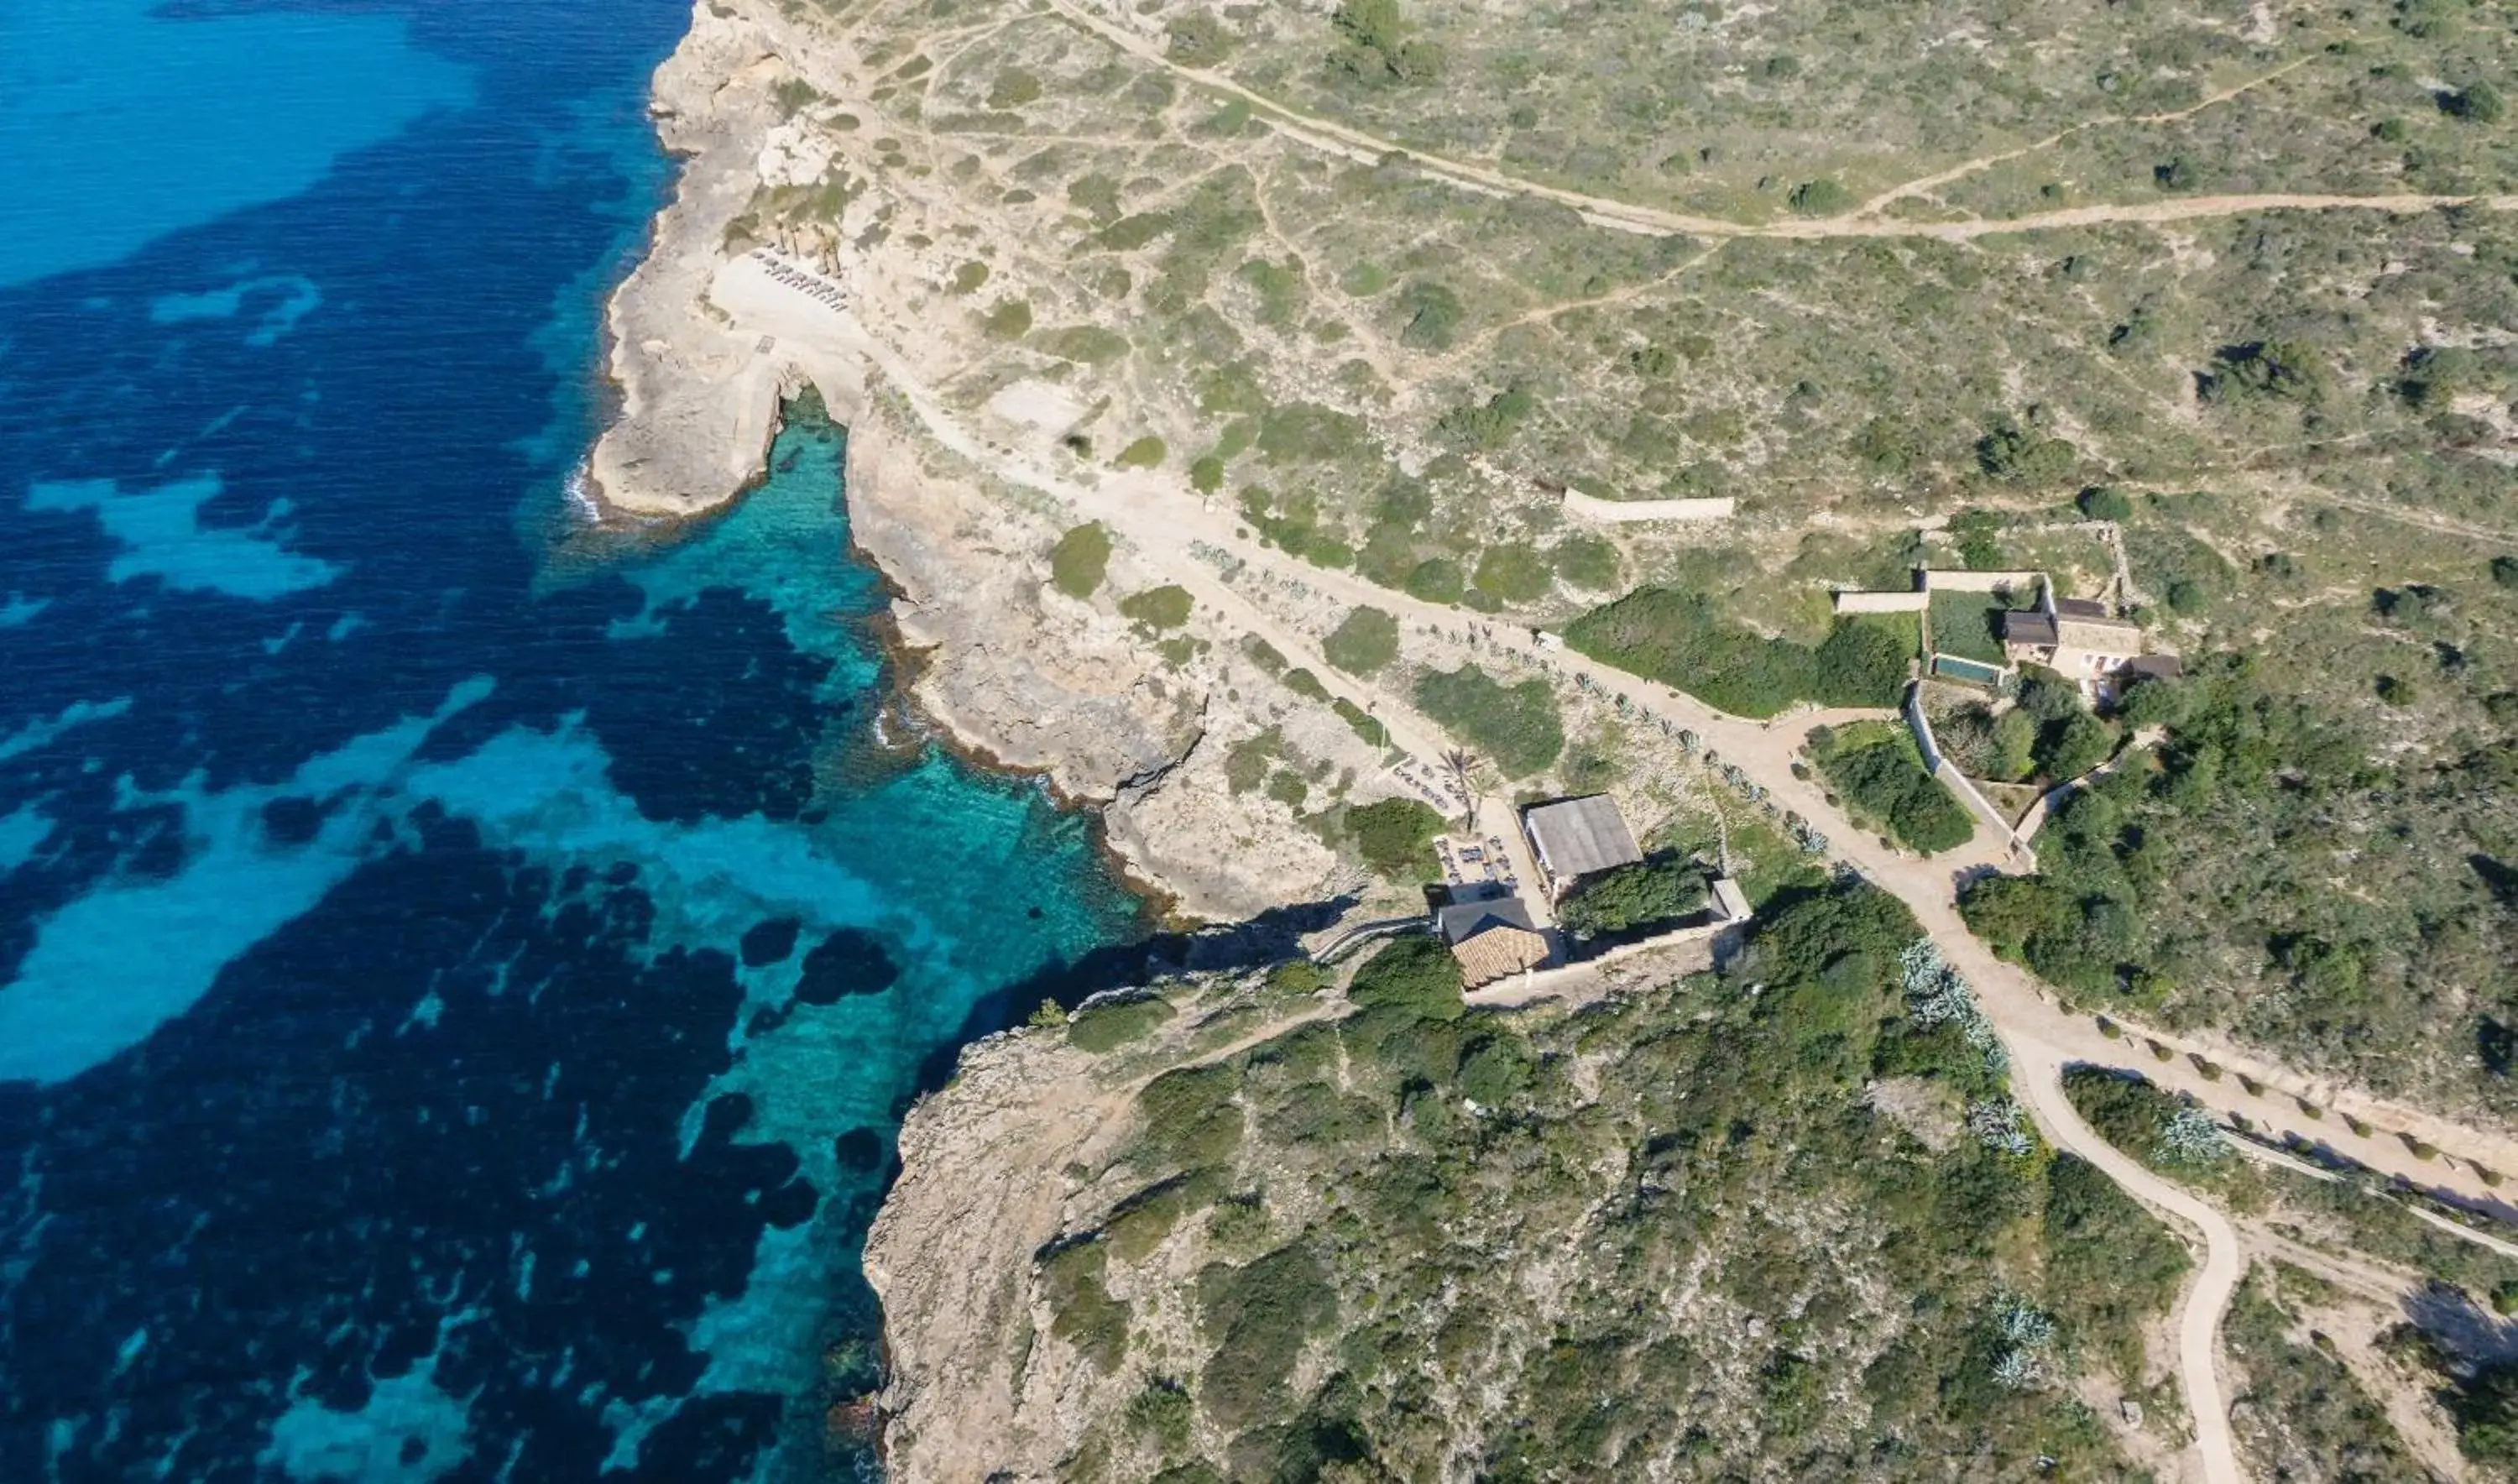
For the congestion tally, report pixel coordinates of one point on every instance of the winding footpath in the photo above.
(1331, 137)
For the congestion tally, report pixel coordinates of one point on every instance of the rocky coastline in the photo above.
(1013, 673)
(1005, 671)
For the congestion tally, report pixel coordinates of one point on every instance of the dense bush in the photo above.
(1429, 315)
(2109, 1264)
(1485, 425)
(2177, 881)
(2162, 1131)
(1515, 573)
(1395, 836)
(1415, 975)
(1887, 781)
(1518, 727)
(1364, 642)
(1145, 453)
(1646, 894)
(1080, 559)
(1436, 581)
(2021, 454)
(1588, 562)
(1374, 45)
(1158, 608)
(1675, 637)
(2104, 502)
(1102, 1028)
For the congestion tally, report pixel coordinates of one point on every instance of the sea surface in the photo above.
(461, 969)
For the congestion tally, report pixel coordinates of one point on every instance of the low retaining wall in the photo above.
(1880, 603)
(1950, 778)
(1978, 582)
(1630, 511)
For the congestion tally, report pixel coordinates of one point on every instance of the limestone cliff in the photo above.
(705, 352)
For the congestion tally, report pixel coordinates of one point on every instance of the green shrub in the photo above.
(968, 277)
(1206, 475)
(1438, 581)
(1098, 1029)
(1662, 890)
(1518, 727)
(1145, 453)
(1306, 685)
(1887, 781)
(1514, 572)
(1188, 1118)
(1820, 198)
(1429, 316)
(1080, 560)
(1297, 979)
(1365, 642)
(1088, 344)
(2023, 456)
(1009, 320)
(2110, 1265)
(1259, 1316)
(1164, 1414)
(1307, 431)
(2103, 502)
(1414, 975)
(1485, 425)
(1588, 562)
(1361, 721)
(1197, 40)
(1247, 761)
(1085, 1315)
(1158, 608)
(2480, 103)
(1012, 88)
(1134, 231)
(1395, 836)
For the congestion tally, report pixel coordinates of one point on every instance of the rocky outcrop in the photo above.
(699, 401)
(953, 1259)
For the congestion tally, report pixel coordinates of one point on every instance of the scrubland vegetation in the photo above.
(1671, 1233)
(2264, 871)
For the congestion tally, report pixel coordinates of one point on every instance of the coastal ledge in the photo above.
(699, 398)
(707, 345)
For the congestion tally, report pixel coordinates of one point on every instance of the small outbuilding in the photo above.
(1492, 937)
(1576, 837)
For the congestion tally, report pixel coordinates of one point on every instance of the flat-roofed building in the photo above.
(1576, 837)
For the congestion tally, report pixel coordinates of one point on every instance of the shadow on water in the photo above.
(1268, 937)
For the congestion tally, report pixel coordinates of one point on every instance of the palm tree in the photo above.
(1462, 763)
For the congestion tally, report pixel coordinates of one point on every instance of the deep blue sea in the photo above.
(461, 971)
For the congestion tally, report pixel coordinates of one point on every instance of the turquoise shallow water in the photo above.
(459, 972)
